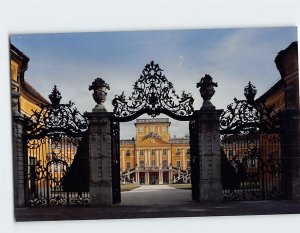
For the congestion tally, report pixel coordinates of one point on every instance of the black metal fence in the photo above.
(56, 145)
(251, 150)
(251, 166)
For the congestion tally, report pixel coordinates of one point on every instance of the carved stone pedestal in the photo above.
(210, 186)
(100, 158)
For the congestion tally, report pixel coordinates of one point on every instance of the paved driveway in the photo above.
(151, 195)
(158, 201)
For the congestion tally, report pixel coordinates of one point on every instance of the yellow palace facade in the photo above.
(153, 157)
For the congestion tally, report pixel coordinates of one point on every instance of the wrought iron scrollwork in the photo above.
(153, 94)
(250, 140)
(79, 200)
(248, 113)
(39, 200)
(56, 145)
(56, 119)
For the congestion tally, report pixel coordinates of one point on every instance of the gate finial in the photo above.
(250, 92)
(100, 87)
(55, 97)
(207, 90)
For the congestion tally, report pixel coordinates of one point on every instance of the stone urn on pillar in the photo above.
(100, 87)
(207, 90)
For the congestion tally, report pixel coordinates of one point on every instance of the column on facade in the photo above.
(123, 160)
(170, 165)
(147, 179)
(157, 157)
(183, 159)
(146, 158)
(160, 180)
(160, 167)
(160, 158)
(137, 180)
(137, 175)
(169, 158)
(149, 159)
(137, 158)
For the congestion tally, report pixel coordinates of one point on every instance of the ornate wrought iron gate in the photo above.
(250, 141)
(152, 94)
(56, 144)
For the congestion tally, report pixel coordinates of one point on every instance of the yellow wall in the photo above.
(14, 68)
(27, 107)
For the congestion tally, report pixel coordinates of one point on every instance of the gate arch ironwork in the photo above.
(57, 151)
(152, 94)
(250, 141)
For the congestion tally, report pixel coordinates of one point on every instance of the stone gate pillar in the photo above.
(19, 156)
(208, 141)
(100, 148)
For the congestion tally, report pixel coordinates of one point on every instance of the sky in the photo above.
(233, 57)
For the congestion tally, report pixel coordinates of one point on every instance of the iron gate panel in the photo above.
(56, 145)
(195, 160)
(115, 161)
(250, 150)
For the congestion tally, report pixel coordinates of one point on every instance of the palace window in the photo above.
(128, 153)
(152, 129)
(165, 164)
(141, 129)
(152, 152)
(128, 165)
(142, 164)
(178, 163)
(153, 163)
(141, 152)
(178, 151)
(32, 160)
(164, 151)
(164, 129)
(188, 151)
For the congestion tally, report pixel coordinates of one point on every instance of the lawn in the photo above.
(128, 187)
(181, 186)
